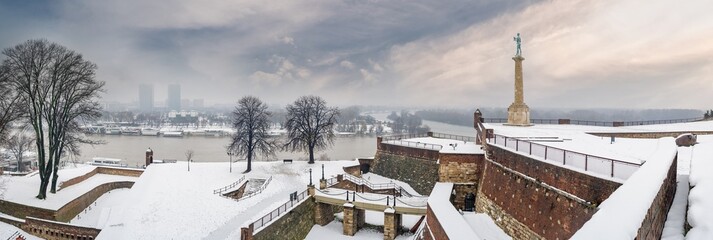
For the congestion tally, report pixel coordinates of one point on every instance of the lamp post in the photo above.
(322, 171)
(310, 177)
(230, 154)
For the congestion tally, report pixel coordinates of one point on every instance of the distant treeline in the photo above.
(465, 117)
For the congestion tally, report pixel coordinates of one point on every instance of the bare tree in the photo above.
(9, 103)
(189, 158)
(310, 125)
(19, 144)
(252, 122)
(58, 89)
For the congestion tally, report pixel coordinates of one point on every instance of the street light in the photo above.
(310, 177)
(230, 154)
(322, 171)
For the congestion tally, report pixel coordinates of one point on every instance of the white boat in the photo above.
(112, 131)
(149, 132)
(173, 134)
(112, 162)
(214, 132)
(130, 131)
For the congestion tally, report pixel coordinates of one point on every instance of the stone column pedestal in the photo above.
(350, 220)
(310, 190)
(392, 224)
(323, 214)
(519, 112)
(322, 184)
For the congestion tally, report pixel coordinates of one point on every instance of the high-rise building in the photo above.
(146, 97)
(198, 103)
(174, 97)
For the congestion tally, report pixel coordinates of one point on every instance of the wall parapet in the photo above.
(637, 210)
(58, 230)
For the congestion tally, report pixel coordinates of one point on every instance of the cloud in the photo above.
(589, 48)
(420, 53)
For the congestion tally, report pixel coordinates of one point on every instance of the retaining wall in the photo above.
(652, 226)
(587, 187)
(57, 230)
(294, 225)
(74, 207)
(526, 209)
(421, 174)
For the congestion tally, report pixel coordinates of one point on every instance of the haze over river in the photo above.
(131, 149)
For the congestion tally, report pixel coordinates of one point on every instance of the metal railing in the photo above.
(377, 186)
(403, 143)
(232, 185)
(332, 181)
(589, 163)
(256, 192)
(404, 136)
(454, 137)
(598, 123)
(281, 210)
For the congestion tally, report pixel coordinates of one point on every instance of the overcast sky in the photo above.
(622, 54)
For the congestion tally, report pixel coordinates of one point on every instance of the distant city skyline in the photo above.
(146, 99)
(173, 102)
(579, 54)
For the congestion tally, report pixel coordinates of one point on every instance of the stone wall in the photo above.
(652, 226)
(587, 187)
(433, 229)
(295, 224)
(74, 207)
(421, 174)
(101, 170)
(22, 211)
(353, 170)
(525, 208)
(237, 194)
(428, 154)
(465, 171)
(56, 230)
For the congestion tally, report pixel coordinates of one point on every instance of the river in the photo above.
(131, 149)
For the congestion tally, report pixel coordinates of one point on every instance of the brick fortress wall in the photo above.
(589, 188)
(525, 208)
(652, 226)
(465, 171)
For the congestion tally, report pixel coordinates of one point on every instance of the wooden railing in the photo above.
(588, 163)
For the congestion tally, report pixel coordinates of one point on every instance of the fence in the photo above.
(404, 136)
(594, 164)
(403, 143)
(454, 137)
(332, 181)
(373, 186)
(232, 185)
(597, 123)
(256, 192)
(416, 202)
(279, 211)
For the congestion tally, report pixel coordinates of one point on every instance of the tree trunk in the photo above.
(53, 188)
(250, 160)
(43, 188)
(311, 155)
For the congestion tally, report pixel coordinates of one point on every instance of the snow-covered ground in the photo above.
(97, 214)
(700, 198)
(24, 189)
(334, 229)
(447, 145)
(11, 232)
(168, 199)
